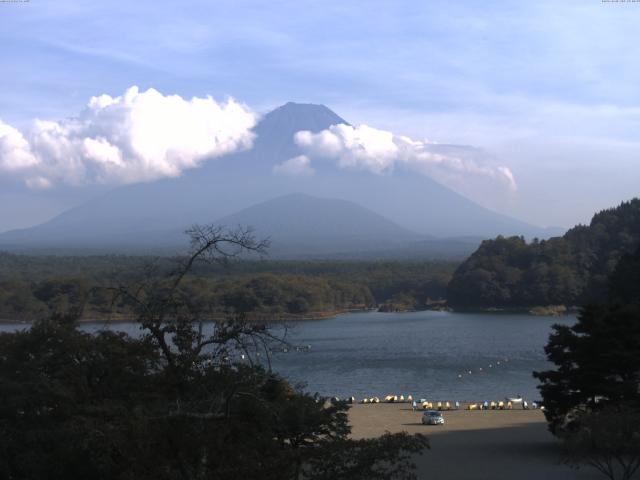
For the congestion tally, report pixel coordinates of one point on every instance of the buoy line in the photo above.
(498, 363)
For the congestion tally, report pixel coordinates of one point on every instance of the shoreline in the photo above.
(534, 310)
(262, 318)
(311, 316)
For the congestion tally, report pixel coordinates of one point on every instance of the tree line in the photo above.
(34, 287)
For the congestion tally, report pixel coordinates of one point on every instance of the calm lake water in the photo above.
(426, 354)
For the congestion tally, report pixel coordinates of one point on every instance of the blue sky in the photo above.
(549, 88)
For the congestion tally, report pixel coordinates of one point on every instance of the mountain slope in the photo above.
(299, 223)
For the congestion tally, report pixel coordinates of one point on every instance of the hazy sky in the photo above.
(548, 89)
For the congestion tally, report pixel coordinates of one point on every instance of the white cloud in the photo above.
(380, 151)
(299, 166)
(15, 153)
(360, 147)
(139, 136)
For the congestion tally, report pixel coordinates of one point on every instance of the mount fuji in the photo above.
(334, 210)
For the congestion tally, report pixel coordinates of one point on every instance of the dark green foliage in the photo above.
(35, 286)
(569, 270)
(400, 302)
(624, 284)
(277, 294)
(598, 359)
(106, 406)
(68, 395)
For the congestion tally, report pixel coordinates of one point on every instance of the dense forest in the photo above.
(568, 270)
(34, 287)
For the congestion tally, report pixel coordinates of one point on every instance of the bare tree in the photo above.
(176, 322)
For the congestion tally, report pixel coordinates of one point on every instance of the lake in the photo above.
(436, 355)
(426, 354)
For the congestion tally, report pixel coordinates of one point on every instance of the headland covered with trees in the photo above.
(569, 270)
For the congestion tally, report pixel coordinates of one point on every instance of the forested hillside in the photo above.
(568, 270)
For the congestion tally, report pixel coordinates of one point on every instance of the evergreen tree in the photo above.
(597, 359)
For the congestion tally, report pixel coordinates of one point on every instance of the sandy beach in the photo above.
(491, 445)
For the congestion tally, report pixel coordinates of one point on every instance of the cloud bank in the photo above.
(379, 151)
(136, 137)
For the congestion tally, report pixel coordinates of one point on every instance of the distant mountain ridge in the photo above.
(301, 217)
(140, 215)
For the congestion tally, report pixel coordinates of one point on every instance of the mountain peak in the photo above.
(296, 108)
(301, 105)
(293, 117)
(276, 130)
